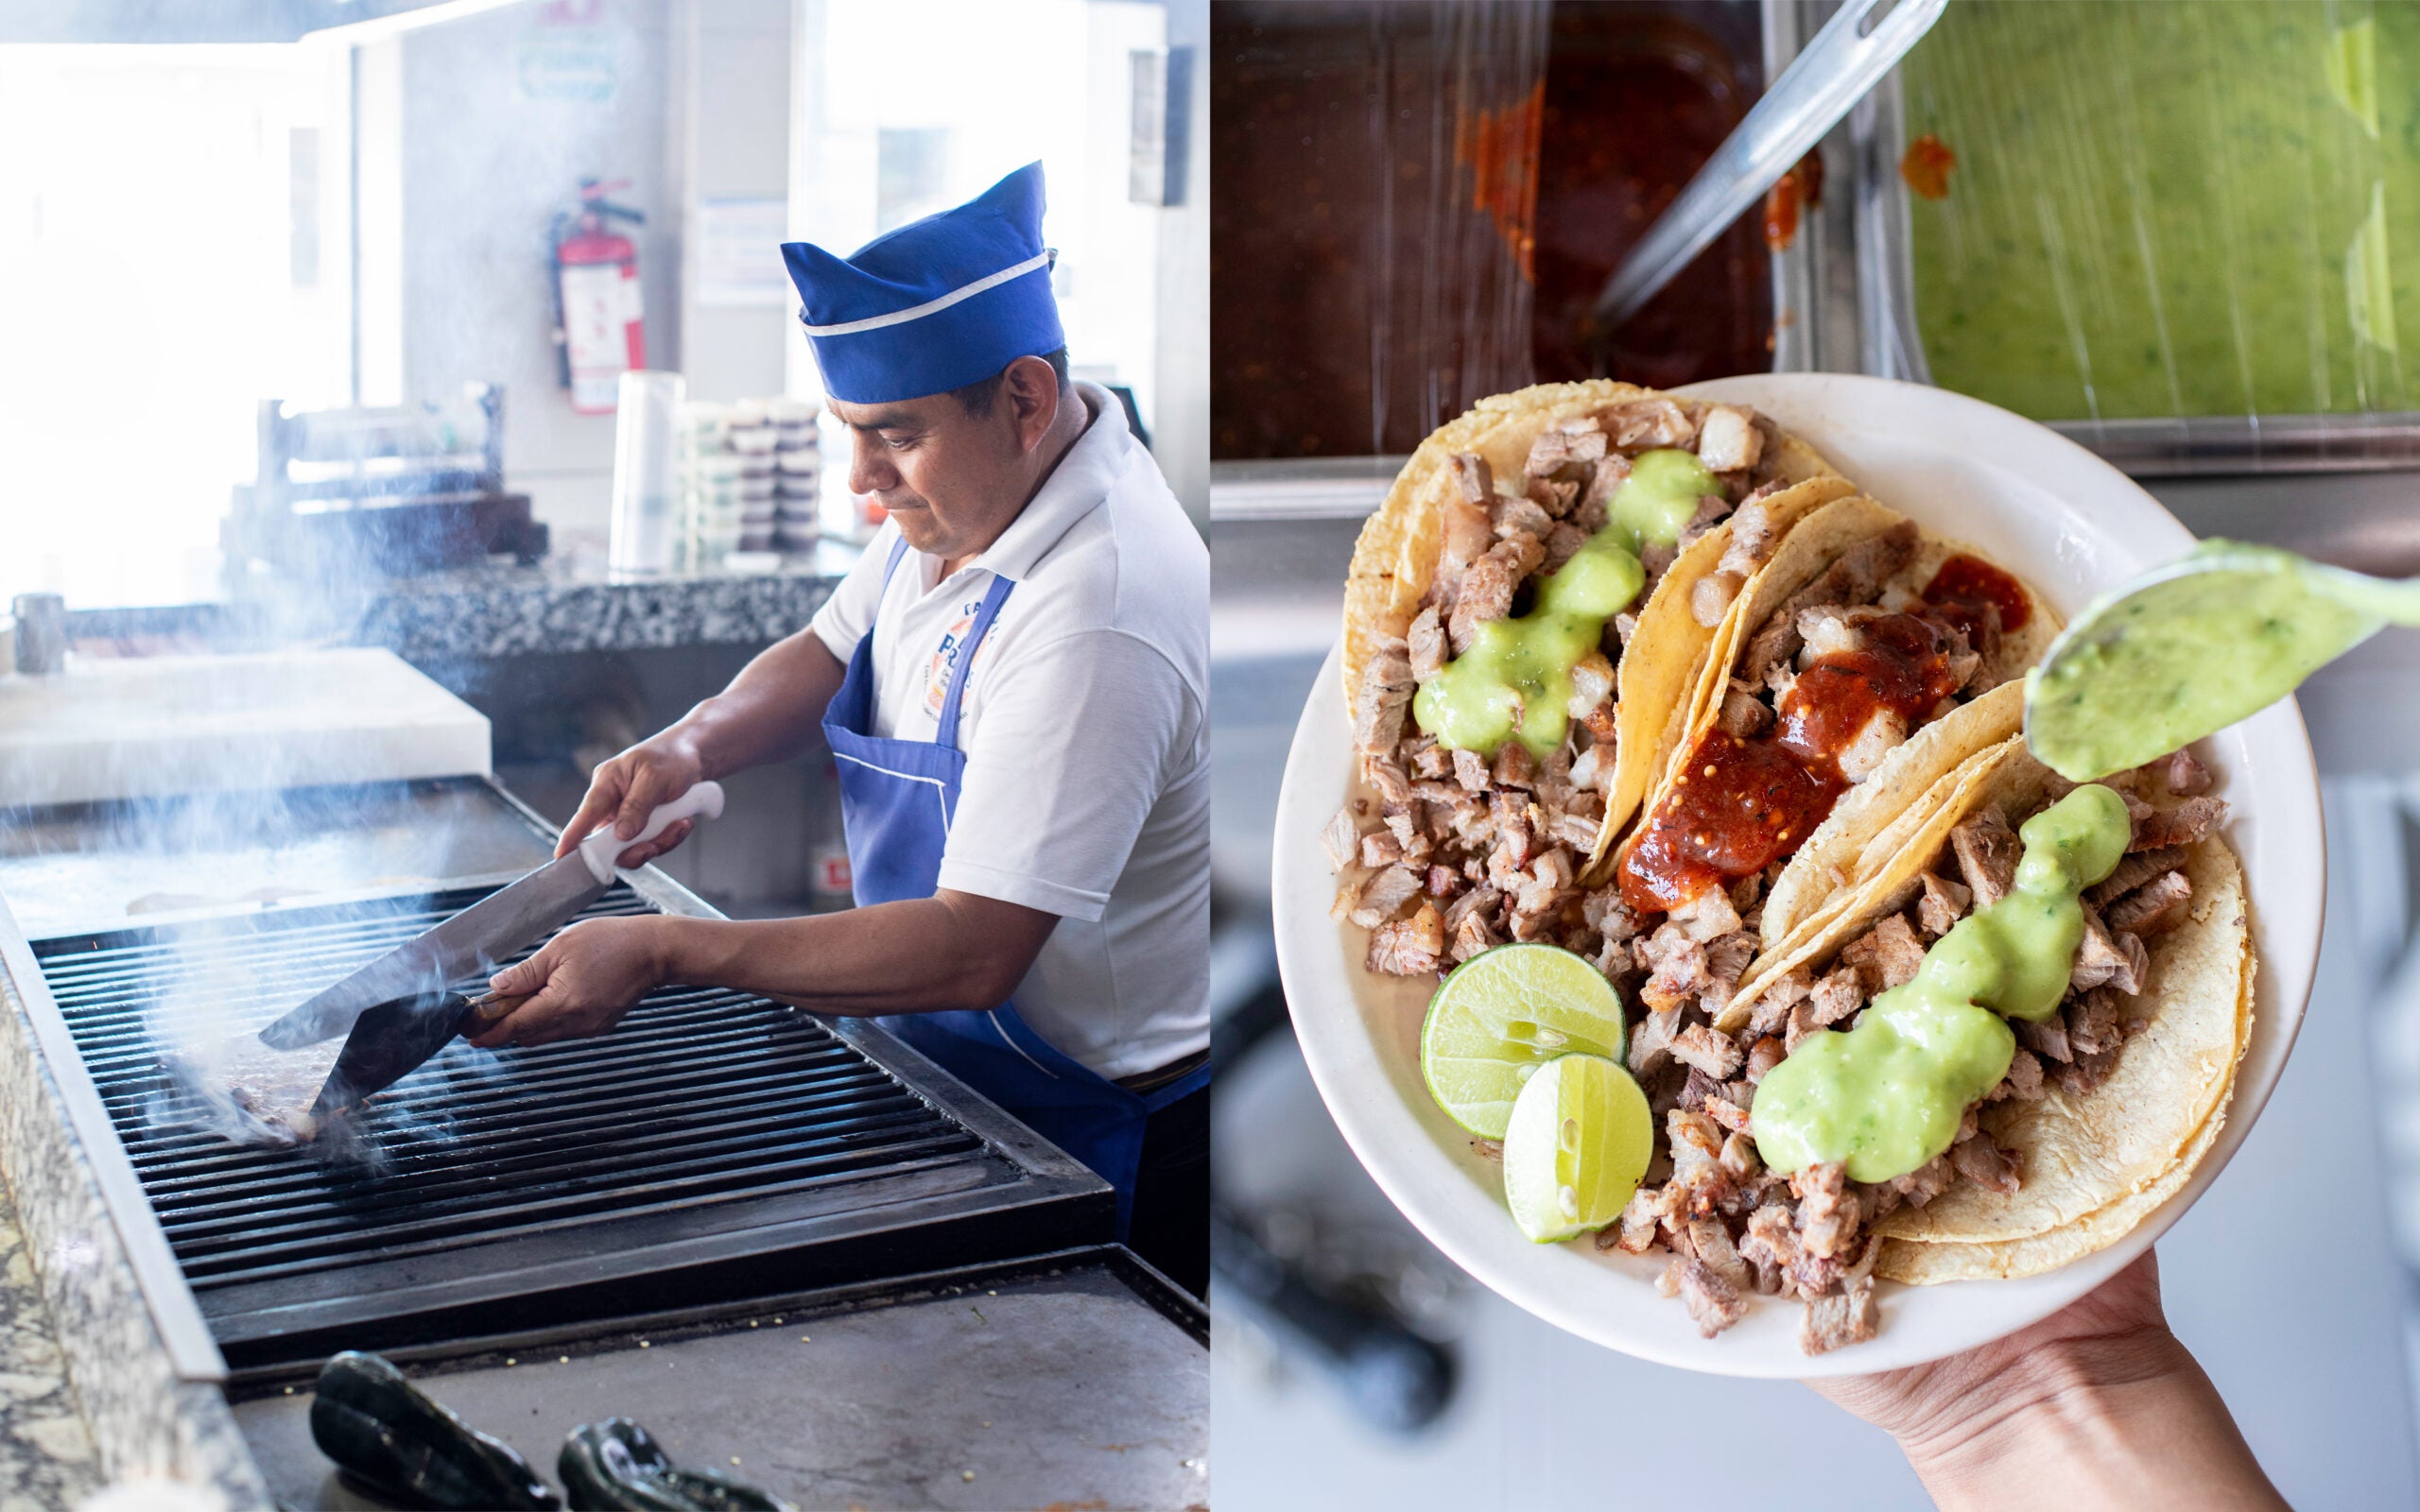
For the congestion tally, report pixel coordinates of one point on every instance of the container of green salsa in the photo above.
(2185, 234)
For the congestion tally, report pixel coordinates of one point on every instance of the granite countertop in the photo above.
(46, 1458)
(569, 601)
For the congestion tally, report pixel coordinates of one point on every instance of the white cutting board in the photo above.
(136, 727)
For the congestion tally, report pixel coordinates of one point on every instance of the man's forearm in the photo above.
(772, 710)
(2096, 1423)
(910, 957)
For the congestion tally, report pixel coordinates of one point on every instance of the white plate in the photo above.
(2072, 526)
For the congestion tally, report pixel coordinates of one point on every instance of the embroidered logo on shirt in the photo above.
(937, 677)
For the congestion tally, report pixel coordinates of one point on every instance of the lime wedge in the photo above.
(1576, 1147)
(1502, 1015)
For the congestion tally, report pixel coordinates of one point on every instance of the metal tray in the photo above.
(1075, 1379)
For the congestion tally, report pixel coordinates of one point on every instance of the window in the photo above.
(174, 246)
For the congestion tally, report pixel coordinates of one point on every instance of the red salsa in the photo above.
(1738, 806)
(1966, 586)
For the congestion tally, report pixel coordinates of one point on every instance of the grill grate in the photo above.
(715, 1144)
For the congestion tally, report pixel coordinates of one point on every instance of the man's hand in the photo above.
(581, 984)
(624, 790)
(2096, 1406)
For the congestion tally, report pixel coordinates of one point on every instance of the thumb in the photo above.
(525, 977)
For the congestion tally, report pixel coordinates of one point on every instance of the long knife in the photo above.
(484, 934)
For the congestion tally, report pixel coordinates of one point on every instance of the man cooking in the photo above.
(1012, 681)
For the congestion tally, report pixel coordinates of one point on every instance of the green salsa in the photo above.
(2181, 208)
(1514, 681)
(2186, 655)
(1888, 1095)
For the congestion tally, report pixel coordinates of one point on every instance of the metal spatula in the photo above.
(390, 1040)
(482, 935)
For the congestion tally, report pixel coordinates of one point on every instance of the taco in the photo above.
(1864, 662)
(1934, 1084)
(1527, 612)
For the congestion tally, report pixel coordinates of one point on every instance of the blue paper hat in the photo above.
(937, 304)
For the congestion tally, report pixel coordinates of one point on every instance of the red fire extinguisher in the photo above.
(599, 331)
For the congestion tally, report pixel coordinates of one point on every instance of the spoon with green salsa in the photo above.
(2193, 647)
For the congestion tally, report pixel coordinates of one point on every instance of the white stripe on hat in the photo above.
(875, 322)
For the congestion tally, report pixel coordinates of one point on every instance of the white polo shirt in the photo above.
(1085, 729)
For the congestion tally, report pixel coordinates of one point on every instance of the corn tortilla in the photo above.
(1395, 560)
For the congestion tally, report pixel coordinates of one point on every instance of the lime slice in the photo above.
(1576, 1147)
(1502, 1015)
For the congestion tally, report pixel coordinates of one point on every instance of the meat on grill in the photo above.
(276, 1087)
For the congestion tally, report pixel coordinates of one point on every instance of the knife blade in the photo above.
(480, 937)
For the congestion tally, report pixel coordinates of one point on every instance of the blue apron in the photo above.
(897, 797)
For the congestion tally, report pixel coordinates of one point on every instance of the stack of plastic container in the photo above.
(710, 485)
(797, 475)
(754, 440)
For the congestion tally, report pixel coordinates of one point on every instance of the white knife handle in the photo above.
(602, 846)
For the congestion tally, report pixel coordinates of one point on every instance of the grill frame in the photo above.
(601, 1267)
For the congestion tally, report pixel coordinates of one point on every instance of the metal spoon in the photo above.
(2191, 647)
(1831, 74)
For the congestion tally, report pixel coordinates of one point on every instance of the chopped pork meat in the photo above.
(1425, 640)
(1838, 1318)
(1839, 994)
(1563, 543)
(2024, 1079)
(1557, 447)
(1676, 960)
(1384, 893)
(1476, 479)
(2118, 959)
(2081, 1076)
(1644, 424)
(1710, 597)
(1519, 517)
(1828, 630)
(1743, 717)
(2047, 1037)
(1342, 839)
(1714, 1303)
(1987, 851)
(1605, 479)
(1385, 695)
(1651, 1043)
(1486, 595)
(1711, 510)
(1926, 1182)
(1981, 1160)
(1412, 947)
(2183, 824)
(1883, 732)
(1762, 1057)
(1828, 1216)
(1708, 916)
(1884, 957)
(2095, 1023)
(1380, 847)
(1728, 440)
(1751, 539)
(2184, 774)
(2156, 907)
(1708, 1049)
(1944, 904)
(1592, 683)
(2135, 870)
